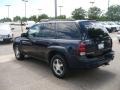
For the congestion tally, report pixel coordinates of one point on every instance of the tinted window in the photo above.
(94, 29)
(48, 30)
(34, 31)
(68, 30)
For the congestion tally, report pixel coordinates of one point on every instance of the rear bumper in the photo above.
(84, 62)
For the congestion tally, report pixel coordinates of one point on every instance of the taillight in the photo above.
(82, 48)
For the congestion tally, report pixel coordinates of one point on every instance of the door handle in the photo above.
(26, 43)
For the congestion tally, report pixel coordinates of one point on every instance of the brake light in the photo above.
(82, 48)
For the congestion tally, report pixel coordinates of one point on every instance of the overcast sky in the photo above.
(47, 6)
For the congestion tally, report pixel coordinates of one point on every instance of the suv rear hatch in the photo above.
(98, 41)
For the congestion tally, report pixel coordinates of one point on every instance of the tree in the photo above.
(94, 13)
(79, 13)
(17, 18)
(33, 18)
(42, 16)
(24, 19)
(61, 17)
(103, 18)
(5, 20)
(113, 13)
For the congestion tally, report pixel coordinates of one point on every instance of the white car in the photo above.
(118, 35)
(113, 24)
(29, 24)
(5, 33)
(107, 26)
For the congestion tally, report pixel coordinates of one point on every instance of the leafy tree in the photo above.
(33, 18)
(61, 17)
(24, 19)
(94, 13)
(51, 17)
(42, 16)
(17, 18)
(79, 13)
(113, 12)
(103, 18)
(5, 20)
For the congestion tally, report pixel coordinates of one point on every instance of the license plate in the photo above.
(1, 39)
(101, 46)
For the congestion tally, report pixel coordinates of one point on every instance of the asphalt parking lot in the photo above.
(32, 74)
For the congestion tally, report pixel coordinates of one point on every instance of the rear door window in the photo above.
(48, 30)
(67, 30)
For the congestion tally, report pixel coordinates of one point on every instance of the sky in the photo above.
(17, 7)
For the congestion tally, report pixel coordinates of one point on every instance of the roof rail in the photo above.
(47, 20)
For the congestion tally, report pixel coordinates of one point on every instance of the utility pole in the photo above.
(8, 9)
(25, 1)
(55, 8)
(60, 9)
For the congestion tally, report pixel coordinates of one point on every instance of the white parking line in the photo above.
(7, 58)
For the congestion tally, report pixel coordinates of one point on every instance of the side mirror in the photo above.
(27, 28)
(24, 35)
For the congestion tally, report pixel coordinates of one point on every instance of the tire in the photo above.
(119, 41)
(18, 54)
(59, 66)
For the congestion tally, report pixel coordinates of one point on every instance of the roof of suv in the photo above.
(54, 21)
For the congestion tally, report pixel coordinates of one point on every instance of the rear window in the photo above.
(68, 30)
(94, 29)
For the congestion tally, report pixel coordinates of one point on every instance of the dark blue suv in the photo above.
(66, 45)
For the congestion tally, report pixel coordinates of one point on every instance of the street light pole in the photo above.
(55, 8)
(25, 1)
(8, 9)
(60, 9)
(39, 11)
(92, 3)
(108, 4)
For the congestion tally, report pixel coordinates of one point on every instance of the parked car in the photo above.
(118, 24)
(29, 24)
(118, 35)
(114, 26)
(6, 33)
(66, 45)
(109, 27)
